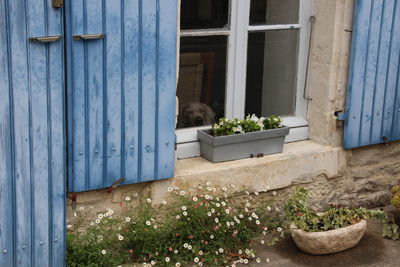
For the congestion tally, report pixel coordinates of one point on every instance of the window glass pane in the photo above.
(204, 14)
(201, 84)
(271, 72)
(274, 12)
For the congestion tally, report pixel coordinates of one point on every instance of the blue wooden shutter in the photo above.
(121, 90)
(373, 99)
(32, 139)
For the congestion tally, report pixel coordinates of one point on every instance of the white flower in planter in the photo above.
(104, 252)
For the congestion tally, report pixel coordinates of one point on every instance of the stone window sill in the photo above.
(300, 162)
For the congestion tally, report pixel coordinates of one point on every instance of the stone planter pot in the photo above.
(319, 243)
(239, 146)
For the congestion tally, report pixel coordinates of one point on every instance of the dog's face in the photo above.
(195, 114)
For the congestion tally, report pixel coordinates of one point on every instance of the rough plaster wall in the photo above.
(328, 68)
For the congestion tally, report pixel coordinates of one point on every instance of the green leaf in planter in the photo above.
(332, 218)
(391, 231)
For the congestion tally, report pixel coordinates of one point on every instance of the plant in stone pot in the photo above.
(334, 230)
(230, 139)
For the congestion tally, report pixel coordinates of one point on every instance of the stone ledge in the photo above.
(300, 162)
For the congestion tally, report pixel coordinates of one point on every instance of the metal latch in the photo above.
(57, 3)
(88, 36)
(340, 117)
(45, 39)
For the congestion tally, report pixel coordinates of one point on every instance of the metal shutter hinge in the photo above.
(57, 3)
(340, 117)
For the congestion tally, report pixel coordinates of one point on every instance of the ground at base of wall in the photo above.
(372, 251)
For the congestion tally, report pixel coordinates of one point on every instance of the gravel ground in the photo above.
(373, 250)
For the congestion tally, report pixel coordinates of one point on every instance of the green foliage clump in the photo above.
(396, 196)
(249, 124)
(298, 213)
(206, 227)
(97, 245)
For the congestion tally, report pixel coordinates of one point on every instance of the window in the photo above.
(241, 57)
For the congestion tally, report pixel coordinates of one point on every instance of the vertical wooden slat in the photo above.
(77, 83)
(396, 116)
(38, 63)
(370, 72)
(131, 89)
(6, 153)
(392, 74)
(372, 98)
(356, 78)
(21, 111)
(166, 84)
(95, 93)
(381, 73)
(149, 89)
(57, 156)
(114, 83)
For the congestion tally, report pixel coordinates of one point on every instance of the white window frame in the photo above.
(187, 142)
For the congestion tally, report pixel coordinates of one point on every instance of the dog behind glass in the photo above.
(195, 114)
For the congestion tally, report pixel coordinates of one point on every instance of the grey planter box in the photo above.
(239, 146)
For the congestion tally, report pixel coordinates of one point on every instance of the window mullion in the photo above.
(237, 58)
(306, 9)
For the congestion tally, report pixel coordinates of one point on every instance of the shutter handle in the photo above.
(45, 39)
(88, 36)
